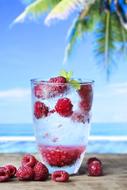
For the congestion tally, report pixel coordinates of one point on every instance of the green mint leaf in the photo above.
(63, 73)
(75, 84)
(66, 74)
(69, 75)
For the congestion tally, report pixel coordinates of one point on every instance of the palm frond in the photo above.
(123, 42)
(122, 13)
(65, 8)
(120, 35)
(76, 31)
(106, 40)
(35, 9)
(83, 24)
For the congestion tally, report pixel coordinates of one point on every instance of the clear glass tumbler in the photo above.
(61, 116)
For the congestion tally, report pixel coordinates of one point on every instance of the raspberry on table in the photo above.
(25, 173)
(95, 168)
(60, 176)
(92, 159)
(41, 172)
(40, 110)
(64, 107)
(11, 170)
(4, 174)
(28, 160)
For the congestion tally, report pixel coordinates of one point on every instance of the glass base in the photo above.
(66, 158)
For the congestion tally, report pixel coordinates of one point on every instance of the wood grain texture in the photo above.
(114, 178)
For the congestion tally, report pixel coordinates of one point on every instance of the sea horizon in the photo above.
(97, 129)
(104, 138)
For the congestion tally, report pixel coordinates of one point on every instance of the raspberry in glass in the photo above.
(61, 85)
(78, 117)
(38, 90)
(85, 91)
(61, 156)
(40, 110)
(64, 107)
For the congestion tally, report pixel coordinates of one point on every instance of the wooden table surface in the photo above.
(114, 178)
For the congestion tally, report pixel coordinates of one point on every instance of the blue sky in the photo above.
(33, 50)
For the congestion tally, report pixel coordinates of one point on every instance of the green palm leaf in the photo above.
(36, 8)
(84, 23)
(120, 35)
(63, 9)
(108, 40)
(111, 36)
(123, 47)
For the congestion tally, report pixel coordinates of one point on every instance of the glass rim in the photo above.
(81, 82)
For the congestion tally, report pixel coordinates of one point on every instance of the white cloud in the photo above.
(17, 93)
(111, 90)
(119, 85)
(119, 88)
(15, 106)
(110, 103)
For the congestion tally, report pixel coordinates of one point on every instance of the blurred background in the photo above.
(34, 50)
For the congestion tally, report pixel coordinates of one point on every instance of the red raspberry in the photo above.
(95, 168)
(25, 173)
(79, 117)
(38, 90)
(40, 110)
(4, 174)
(43, 90)
(60, 84)
(28, 160)
(58, 80)
(92, 159)
(56, 86)
(86, 95)
(60, 156)
(85, 105)
(11, 170)
(60, 176)
(64, 107)
(53, 87)
(51, 112)
(41, 172)
(85, 91)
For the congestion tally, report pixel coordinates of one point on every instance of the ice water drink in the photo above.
(62, 115)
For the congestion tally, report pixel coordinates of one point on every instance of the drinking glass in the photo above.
(62, 118)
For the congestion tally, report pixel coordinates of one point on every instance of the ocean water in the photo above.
(104, 138)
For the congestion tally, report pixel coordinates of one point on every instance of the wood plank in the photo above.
(115, 176)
